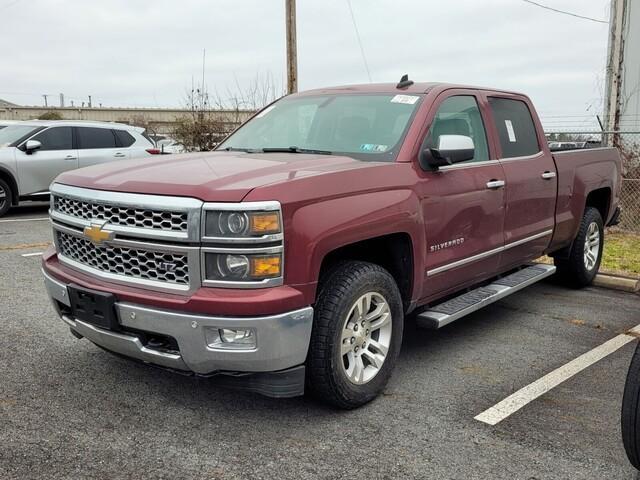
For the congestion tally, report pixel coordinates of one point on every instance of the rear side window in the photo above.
(96, 138)
(517, 132)
(56, 138)
(124, 138)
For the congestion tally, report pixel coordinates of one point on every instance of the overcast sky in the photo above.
(145, 53)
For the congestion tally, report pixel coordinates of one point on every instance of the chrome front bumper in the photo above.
(282, 340)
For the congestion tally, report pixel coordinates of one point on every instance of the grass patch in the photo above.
(621, 253)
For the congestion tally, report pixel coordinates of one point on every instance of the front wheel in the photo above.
(581, 267)
(5, 197)
(356, 335)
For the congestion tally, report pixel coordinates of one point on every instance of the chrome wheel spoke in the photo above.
(363, 305)
(378, 347)
(375, 359)
(382, 321)
(356, 369)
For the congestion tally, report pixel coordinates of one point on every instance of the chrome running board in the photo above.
(442, 314)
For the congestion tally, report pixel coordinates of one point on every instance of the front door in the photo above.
(37, 169)
(531, 182)
(462, 204)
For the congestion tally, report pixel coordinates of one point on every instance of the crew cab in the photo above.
(288, 259)
(33, 153)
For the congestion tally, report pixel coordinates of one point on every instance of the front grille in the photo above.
(124, 216)
(172, 268)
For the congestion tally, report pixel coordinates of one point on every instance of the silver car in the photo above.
(33, 153)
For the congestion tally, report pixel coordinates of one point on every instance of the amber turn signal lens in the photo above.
(265, 267)
(265, 223)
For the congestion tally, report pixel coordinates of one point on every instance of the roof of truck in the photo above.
(417, 87)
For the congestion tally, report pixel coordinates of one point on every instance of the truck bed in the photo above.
(579, 172)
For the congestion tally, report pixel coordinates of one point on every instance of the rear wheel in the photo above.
(582, 265)
(356, 335)
(5, 197)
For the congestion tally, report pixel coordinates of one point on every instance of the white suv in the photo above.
(33, 153)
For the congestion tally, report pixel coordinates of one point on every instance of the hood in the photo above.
(209, 176)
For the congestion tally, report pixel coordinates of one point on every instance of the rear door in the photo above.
(463, 210)
(530, 176)
(98, 145)
(37, 170)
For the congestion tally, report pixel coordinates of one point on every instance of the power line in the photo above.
(355, 26)
(564, 12)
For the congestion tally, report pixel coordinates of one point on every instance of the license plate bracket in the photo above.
(93, 307)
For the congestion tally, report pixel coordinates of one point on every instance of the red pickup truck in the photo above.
(288, 259)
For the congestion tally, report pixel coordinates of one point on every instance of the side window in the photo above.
(56, 138)
(95, 138)
(517, 132)
(460, 115)
(124, 138)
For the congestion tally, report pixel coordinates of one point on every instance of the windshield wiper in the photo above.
(294, 149)
(237, 149)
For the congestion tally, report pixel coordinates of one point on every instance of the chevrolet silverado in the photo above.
(288, 259)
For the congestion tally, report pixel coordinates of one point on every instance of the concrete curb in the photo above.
(615, 282)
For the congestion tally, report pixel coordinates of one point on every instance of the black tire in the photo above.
(630, 417)
(573, 270)
(5, 203)
(338, 291)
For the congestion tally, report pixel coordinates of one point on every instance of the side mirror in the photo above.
(31, 146)
(451, 149)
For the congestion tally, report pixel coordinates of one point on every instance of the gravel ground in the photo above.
(69, 410)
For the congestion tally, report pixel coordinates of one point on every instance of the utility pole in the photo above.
(45, 95)
(89, 101)
(62, 100)
(615, 57)
(292, 54)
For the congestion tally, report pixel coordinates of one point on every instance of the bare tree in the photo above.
(211, 118)
(201, 128)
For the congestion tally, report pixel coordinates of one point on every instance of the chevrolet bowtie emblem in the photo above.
(96, 234)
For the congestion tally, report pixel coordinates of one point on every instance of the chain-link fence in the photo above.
(629, 145)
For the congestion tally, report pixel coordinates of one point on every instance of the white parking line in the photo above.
(31, 254)
(24, 220)
(522, 397)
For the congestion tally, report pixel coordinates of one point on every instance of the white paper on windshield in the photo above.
(265, 111)
(510, 131)
(406, 99)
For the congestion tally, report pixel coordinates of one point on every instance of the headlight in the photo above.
(242, 245)
(235, 267)
(222, 224)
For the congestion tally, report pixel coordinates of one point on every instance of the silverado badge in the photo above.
(96, 234)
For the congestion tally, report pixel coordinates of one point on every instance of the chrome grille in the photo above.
(124, 216)
(139, 263)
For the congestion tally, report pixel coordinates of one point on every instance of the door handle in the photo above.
(494, 184)
(547, 175)
(70, 157)
(120, 155)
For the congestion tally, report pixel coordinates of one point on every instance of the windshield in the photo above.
(13, 133)
(367, 127)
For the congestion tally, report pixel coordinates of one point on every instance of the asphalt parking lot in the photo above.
(71, 410)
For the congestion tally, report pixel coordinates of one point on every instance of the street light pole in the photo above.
(292, 54)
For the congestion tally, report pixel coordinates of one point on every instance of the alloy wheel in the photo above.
(591, 246)
(365, 338)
